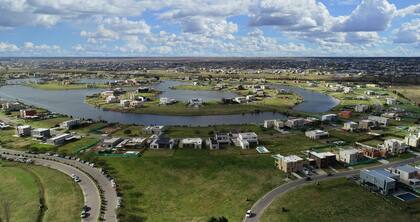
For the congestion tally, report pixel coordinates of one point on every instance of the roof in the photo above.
(112, 140)
(322, 155)
(380, 174)
(291, 158)
(191, 140)
(407, 168)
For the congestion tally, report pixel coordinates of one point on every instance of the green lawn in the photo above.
(335, 200)
(287, 144)
(60, 86)
(192, 185)
(63, 196)
(22, 186)
(19, 195)
(73, 147)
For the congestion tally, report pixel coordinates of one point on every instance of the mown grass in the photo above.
(63, 196)
(192, 185)
(19, 195)
(22, 186)
(334, 200)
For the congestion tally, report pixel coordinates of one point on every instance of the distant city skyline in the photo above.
(209, 28)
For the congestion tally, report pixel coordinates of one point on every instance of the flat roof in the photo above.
(406, 168)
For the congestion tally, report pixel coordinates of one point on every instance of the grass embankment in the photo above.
(61, 86)
(22, 187)
(194, 87)
(192, 185)
(335, 200)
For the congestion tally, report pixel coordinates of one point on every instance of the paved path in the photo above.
(110, 199)
(265, 201)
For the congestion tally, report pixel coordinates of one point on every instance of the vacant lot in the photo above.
(410, 92)
(335, 200)
(192, 185)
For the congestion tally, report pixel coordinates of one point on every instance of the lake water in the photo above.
(71, 102)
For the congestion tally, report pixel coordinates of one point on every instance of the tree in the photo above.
(218, 219)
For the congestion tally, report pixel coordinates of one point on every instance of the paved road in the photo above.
(263, 203)
(88, 186)
(110, 199)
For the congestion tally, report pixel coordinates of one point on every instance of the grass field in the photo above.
(59, 86)
(22, 186)
(193, 87)
(410, 92)
(334, 200)
(19, 195)
(192, 185)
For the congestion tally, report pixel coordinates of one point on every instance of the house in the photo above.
(382, 121)
(70, 124)
(219, 140)
(329, 117)
(240, 99)
(350, 126)
(412, 140)
(273, 124)
(112, 142)
(408, 175)
(28, 113)
(247, 140)
(112, 99)
(288, 164)
(196, 102)
(347, 90)
(60, 139)
(345, 114)
(316, 134)
(166, 101)
(41, 133)
(158, 129)
(370, 151)
(24, 130)
(4, 125)
(143, 89)
(250, 98)
(135, 142)
(322, 160)
(391, 101)
(162, 142)
(295, 123)
(107, 93)
(349, 156)
(394, 146)
(361, 108)
(384, 182)
(12, 106)
(125, 103)
(366, 124)
(136, 103)
(195, 143)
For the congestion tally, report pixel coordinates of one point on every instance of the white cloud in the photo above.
(410, 10)
(7, 47)
(369, 15)
(408, 32)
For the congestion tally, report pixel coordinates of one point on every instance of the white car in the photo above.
(248, 214)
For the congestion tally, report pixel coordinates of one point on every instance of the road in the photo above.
(86, 174)
(264, 202)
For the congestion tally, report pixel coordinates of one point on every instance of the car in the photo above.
(248, 214)
(77, 180)
(308, 178)
(84, 215)
(330, 174)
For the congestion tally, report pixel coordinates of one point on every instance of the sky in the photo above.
(209, 28)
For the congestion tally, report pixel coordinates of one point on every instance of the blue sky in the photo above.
(209, 28)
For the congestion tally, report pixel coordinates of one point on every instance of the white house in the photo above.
(349, 156)
(195, 143)
(316, 134)
(69, 124)
(247, 140)
(240, 99)
(125, 103)
(394, 146)
(350, 126)
(412, 140)
(111, 99)
(24, 130)
(383, 121)
(391, 101)
(329, 117)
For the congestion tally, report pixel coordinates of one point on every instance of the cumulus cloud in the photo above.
(410, 10)
(290, 14)
(7, 47)
(370, 15)
(408, 32)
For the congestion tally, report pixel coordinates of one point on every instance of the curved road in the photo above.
(265, 201)
(91, 179)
